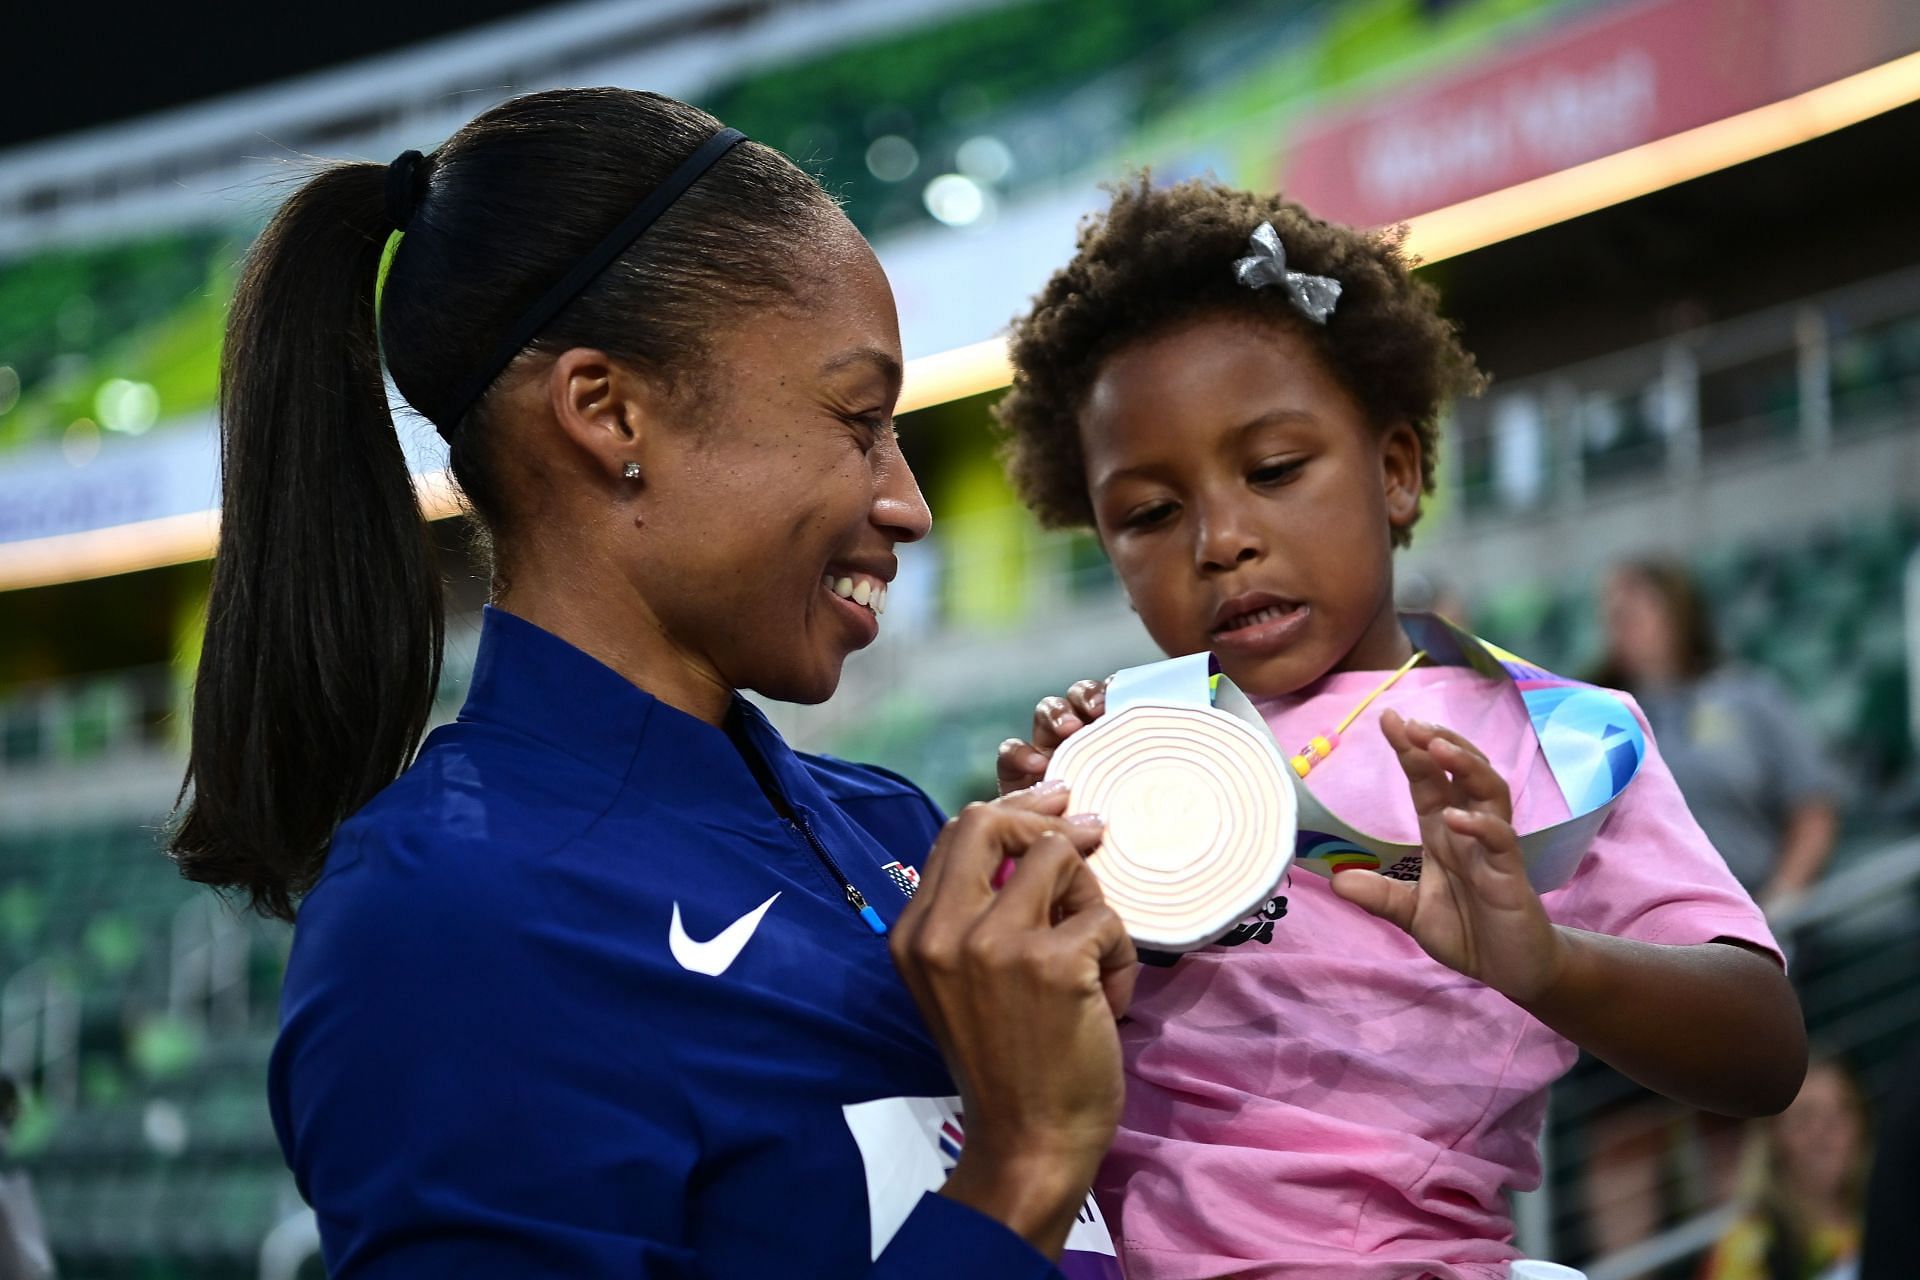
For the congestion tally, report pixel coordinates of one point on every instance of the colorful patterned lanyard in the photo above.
(1591, 741)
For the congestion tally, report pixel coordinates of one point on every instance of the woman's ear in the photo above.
(1400, 473)
(605, 411)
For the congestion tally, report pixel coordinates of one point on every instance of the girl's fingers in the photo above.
(1493, 835)
(1475, 783)
(1055, 719)
(1446, 773)
(1393, 727)
(1018, 764)
(1390, 900)
(1054, 722)
(1088, 699)
(1426, 780)
(1429, 732)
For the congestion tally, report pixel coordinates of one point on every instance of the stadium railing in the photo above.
(1788, 380)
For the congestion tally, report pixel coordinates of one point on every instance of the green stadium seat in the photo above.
(22, 731)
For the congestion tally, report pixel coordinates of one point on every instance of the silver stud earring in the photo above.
(631, 471)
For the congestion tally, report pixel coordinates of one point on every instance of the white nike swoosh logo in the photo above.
(716, 954)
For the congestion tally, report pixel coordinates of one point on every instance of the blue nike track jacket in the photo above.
(574, 998)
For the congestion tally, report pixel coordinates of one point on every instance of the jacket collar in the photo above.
(530, 681)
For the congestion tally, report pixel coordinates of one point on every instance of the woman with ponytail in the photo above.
(603, 979)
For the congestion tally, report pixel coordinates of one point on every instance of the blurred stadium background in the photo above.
(1681, 234)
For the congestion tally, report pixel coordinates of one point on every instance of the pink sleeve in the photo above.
(1653, 876)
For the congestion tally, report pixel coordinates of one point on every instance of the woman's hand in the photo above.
(1022, 763)
(1021, 988)
(1472, 909)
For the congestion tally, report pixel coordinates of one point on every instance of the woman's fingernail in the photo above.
(1086, 820)
(1050, 787)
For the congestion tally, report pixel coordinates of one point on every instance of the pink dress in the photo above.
(1331, 1102)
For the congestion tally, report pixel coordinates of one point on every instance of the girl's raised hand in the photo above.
(1021, 763)
(1472, 908)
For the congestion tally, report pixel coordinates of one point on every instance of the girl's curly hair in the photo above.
(1161, 256)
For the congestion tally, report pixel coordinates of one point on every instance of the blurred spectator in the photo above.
(1891, 1248)
(1756, 779)
(1761, 788)
(1803, 1188)
(24, 1254)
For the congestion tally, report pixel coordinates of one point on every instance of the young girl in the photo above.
(1247, 421)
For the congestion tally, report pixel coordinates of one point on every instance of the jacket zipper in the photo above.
(763, 774)
(855, 899)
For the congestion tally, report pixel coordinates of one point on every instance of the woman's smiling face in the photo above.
(1247, 503)
(768, 532)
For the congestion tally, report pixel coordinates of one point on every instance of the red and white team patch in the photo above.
(908, 878)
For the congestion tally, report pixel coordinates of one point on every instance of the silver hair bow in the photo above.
(1267, 264)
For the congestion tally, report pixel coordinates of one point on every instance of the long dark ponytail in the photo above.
(324, 626)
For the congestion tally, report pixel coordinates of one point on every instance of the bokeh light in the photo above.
(957, 200)
(985, 159)
(891, 158)
(128, 407)
(80, 442)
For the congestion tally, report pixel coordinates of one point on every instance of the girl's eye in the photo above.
(1148, 516)
(1277, 472)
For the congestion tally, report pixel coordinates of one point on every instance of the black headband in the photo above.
(587, 269)
(405, 185)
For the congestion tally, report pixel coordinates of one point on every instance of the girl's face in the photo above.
(793, 485)
(1248, 504)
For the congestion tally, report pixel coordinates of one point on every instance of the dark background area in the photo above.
(1797, 222)
(75, 66)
